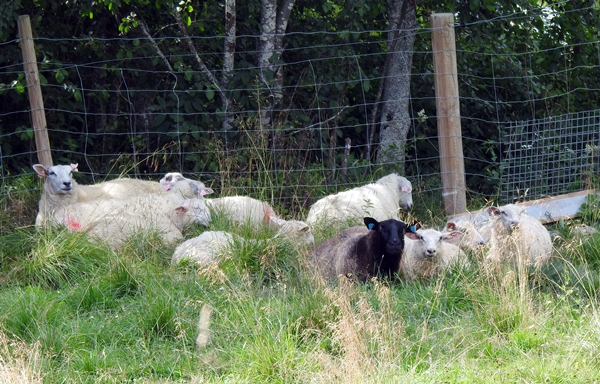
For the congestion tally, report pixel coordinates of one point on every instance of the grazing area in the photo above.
(76, 311)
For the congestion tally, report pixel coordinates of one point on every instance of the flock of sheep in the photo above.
(371, 240)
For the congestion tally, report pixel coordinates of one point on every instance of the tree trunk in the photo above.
(274, 20)
(395, 117)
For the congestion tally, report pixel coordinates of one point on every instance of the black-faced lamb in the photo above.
(428, 252)
(514, 235)
(362, 253)
(381, 200)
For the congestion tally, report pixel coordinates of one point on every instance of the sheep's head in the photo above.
(176, 182)
(295, 230)
(58, 178)
(406, 200)
(470, 237)
(509, 215)
(391, 232)
(430, 240)
(193, 211)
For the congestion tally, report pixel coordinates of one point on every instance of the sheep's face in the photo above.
(430, 240)
(470, 237)
(295, 230)
(391, 233)
(509, 215)
(193, 211)
(406, 200)
(58, 177)
(170, 179)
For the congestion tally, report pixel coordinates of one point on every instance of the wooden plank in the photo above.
(452, 167)
(34, 91)
(547, 210)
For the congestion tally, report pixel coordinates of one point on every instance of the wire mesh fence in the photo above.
(550, 156)
(113, 107)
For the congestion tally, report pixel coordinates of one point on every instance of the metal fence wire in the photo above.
(550, 156)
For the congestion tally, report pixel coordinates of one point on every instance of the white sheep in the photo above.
(380, 200)
(113, 221)
(176, 182)
(60, 189)
(428, 252)
(210, 246)
(471, 239)
(242, 210)
(513, 234)
(57, 190)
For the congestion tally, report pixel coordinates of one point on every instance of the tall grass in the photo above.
(74, 311)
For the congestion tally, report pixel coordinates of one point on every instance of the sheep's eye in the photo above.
(51, 173)
(504, 213)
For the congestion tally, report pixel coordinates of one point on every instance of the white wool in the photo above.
(242, 210)
(117, 189)
(380, 200)
(211, 246)
(428, 252)
(177, 183)
(471, 239)
(204, 249)
(514, 235)
(113, 221)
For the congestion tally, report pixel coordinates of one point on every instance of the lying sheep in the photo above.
(113, 221)
(176, 182)
(242, 210)
(381, 200)
(57, 190)
(513, 234)
(211, 246)
(362, 253)
(428, 252)
(471, 239)
(60, 189)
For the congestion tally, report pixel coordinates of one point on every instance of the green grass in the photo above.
(72, 311)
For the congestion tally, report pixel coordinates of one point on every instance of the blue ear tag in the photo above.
(412, 228)
(370, 226)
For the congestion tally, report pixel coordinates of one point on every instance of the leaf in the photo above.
(159, 119)
(210, 94)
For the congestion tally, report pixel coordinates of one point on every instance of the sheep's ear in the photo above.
(412, 235)
(274, 219)
(74, 167)
(405, 189)
(181, 210)
(205, 191)
(40, 170)
(450, 227)
(371, 223)
(452, 237)
(493, 211)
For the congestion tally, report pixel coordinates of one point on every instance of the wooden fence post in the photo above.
(448, 114)
(36, 102)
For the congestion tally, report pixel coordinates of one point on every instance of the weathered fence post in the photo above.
(448, 114)
(36, 102)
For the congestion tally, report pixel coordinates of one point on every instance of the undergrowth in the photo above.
(75, 311)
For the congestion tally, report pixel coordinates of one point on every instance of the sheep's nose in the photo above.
(67, 184)
(431, 252)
